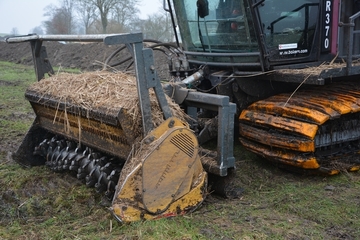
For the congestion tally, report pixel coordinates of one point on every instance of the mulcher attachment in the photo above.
(317, 129)
(160, 177)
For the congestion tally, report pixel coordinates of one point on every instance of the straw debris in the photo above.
(102, 90)
(315, 71)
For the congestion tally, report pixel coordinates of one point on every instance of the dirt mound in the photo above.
(87, 57)
(72, 55)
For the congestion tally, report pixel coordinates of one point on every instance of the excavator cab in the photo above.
(263, 34)
(225, 31)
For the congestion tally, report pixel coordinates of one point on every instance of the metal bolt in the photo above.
(171, 124)
(149, 140)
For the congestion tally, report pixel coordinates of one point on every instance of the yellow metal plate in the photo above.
(281, 156)
(276, 140)
(306, 102)
(166, 169)
(289, 110)
(285, 124)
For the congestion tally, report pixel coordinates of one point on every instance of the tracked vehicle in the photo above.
(286, 69)
(292, 67)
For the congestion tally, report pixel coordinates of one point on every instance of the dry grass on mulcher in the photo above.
(104, 91)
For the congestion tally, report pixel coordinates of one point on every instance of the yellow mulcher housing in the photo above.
(152, 174)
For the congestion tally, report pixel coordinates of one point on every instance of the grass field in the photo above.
(36, 203)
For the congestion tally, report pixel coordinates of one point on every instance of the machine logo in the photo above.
(327, 26)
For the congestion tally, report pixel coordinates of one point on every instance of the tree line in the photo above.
(103, 17)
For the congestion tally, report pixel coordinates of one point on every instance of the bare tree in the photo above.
(104, 7)
(158, 26)
(61, 20)
(68, 8)
(57, 23)
(116, 14)
(105, 16)
(14, 31)
(38, 30)
(86, 12)
(126, 13)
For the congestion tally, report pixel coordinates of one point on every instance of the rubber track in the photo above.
(317, 128)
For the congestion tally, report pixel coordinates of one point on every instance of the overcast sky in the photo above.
(28, 14)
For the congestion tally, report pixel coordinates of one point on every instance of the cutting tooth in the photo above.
(96, 170)
(101, 185)
(90, 178)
